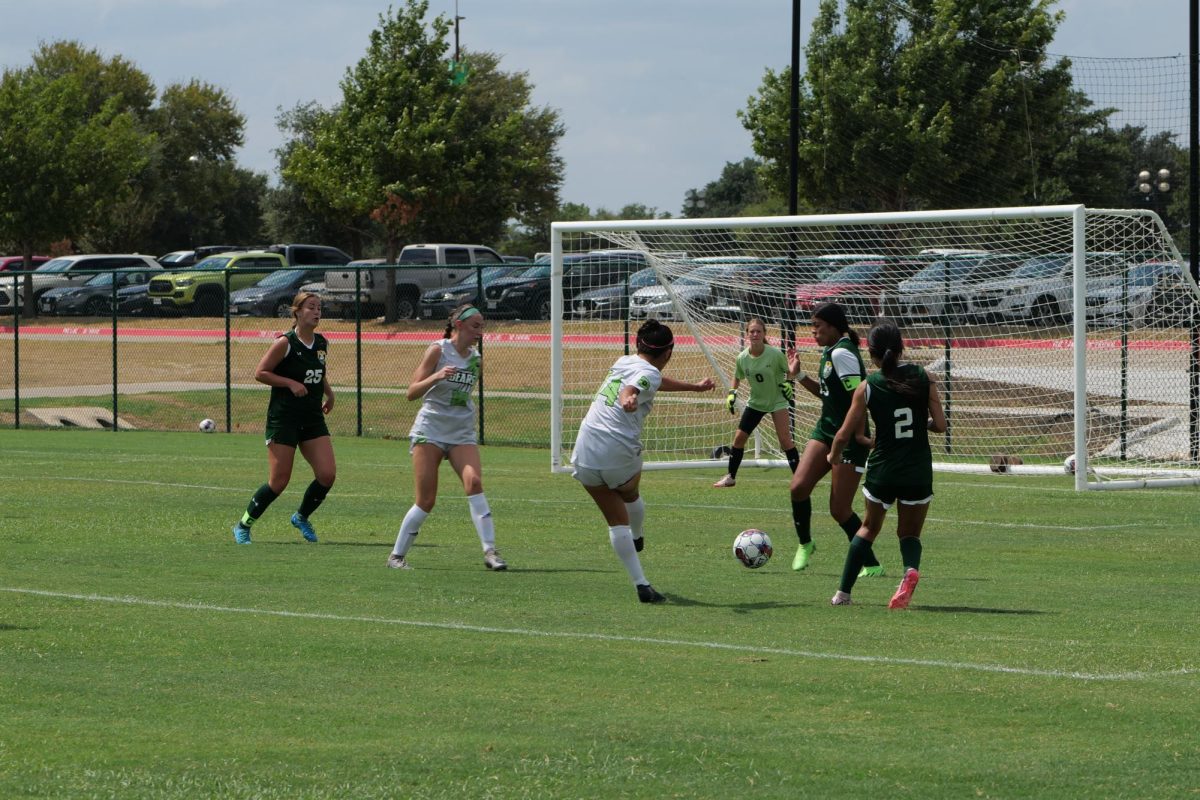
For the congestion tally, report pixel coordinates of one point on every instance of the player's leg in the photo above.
(465, 460)
(635, 510)
(843, 488)
(426, 458)
(860, 549)
(747, 424)
(911, 519)
(318, 452)
(279, 473)
(813, 466)
(783, 430)
(614, 505)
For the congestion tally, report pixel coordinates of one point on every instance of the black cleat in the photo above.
(647, 594)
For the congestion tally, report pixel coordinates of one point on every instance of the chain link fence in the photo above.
(150, 371)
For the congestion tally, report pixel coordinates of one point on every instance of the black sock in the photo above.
(735, 460)
(851, 525)
(793, 457)
(258, 504)
(802, 519)
(859, 548)
(910, 552)
(313, 496)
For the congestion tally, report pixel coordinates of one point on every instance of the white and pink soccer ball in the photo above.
(753, 548)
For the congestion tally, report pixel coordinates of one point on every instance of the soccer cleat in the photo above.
(871, 572)
(306, 528)
(639, 543)
(802, 555)
(647, 594)
(492, 560)
(397, 562)
(241, 534)
(840, 598)
(725, 482)
(904, 593)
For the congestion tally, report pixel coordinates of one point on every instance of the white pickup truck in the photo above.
(419, 268)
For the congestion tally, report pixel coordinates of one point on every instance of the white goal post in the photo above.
(1056, 333)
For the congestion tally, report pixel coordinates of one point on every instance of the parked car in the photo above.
(201, 290)
(71, 271)
(133, 300)
(527, 295)
(763, 287)
(943, 290)
(612, 302)
(438, 303)
(1041, 289)
(1151, 293)
(272, 296)
(14, 263)
(420, 268)
(860, 287)
(94, 298)
(695, 289)
(179, 259)
(517, 259)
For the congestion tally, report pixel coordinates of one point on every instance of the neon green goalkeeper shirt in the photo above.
(764, 373)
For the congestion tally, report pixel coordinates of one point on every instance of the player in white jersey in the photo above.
(445, 429)
(607, 458)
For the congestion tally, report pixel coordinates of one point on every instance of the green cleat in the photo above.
(871, 572)
(802, 556)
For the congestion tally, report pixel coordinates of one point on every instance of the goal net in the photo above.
(1056, 334)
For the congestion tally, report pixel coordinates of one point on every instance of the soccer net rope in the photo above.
(1054, 333)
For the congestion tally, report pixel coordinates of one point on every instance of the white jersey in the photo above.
(610, 435)
(447, 413)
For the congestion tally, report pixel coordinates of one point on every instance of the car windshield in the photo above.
(1041, 267)
(283, 277)
(56, 265)
(174, 258)
(540, 271)
(643, 277)
(704, 275)
(103, 279)
(212, 263)
(864, 272)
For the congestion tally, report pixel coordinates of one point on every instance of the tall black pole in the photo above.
(1194, 215)
(794, 128)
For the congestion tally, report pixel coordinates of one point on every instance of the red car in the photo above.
(9, 263)
(859, 287)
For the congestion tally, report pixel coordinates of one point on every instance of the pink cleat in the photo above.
(904, 593)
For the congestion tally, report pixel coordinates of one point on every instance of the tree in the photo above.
(425, 156)
(67, 156)
(929, 104)
(738, 189)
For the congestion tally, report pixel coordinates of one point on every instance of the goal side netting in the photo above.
(1056, 334)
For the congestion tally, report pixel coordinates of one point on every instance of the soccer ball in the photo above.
(207, 425)
(1069, 464)
(752, 548)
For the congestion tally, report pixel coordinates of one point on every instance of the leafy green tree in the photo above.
(739, 188)
(931, 104)
(67, 157)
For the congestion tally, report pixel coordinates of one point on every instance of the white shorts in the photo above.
(612, 477)
(443, 446)
(923, 501)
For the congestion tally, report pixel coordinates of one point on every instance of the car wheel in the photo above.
(210, 304)
(406, 307)
(1044, 311)
(283, 309)
(540, 308)
(95, 307)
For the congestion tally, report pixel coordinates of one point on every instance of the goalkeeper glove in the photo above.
(789, 391)
(730, 401)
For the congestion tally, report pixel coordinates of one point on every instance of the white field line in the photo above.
(605, 637)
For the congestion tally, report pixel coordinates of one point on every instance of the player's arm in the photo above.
(796, 373)
(265, 372)
(672, 385)
(327, 390)
(628, 398)
(852, 425)
(937, 415)
(425, 376)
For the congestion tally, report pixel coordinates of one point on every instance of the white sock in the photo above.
(481, 515)
(409, 529)
(622, 542)
(637, 516)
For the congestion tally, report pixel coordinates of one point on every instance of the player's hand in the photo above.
(327, 406)
(705, 385)
(731, 402)
(787, 390)
(447, 373)
(298, 389)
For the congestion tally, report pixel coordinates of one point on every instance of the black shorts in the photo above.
(292, 433)
(750, 420)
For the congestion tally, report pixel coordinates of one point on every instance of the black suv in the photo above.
(528, 295)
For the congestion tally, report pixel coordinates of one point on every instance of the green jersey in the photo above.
(841, 371)
(303, 364)
(764, 373)
(901, 456)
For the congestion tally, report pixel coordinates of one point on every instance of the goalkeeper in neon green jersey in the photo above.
(769, 374)
(841, 371)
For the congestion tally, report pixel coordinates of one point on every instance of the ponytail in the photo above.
(886, 345)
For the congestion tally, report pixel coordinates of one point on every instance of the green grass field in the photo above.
(1050, 651)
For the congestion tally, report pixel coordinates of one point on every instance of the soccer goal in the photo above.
(1060, 336)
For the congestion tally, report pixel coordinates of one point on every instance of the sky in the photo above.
(648, 90)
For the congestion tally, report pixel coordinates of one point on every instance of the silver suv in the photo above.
(73, 271)
(1041, 291)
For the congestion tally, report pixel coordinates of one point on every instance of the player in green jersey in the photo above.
(840, 372)
(904, 404)
(294, 368)
(768, 372)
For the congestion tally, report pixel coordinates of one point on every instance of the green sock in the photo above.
(910, 552)
(855, 557)
(314, 495)
(802, 519)
(258, 504)
(851, 525)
